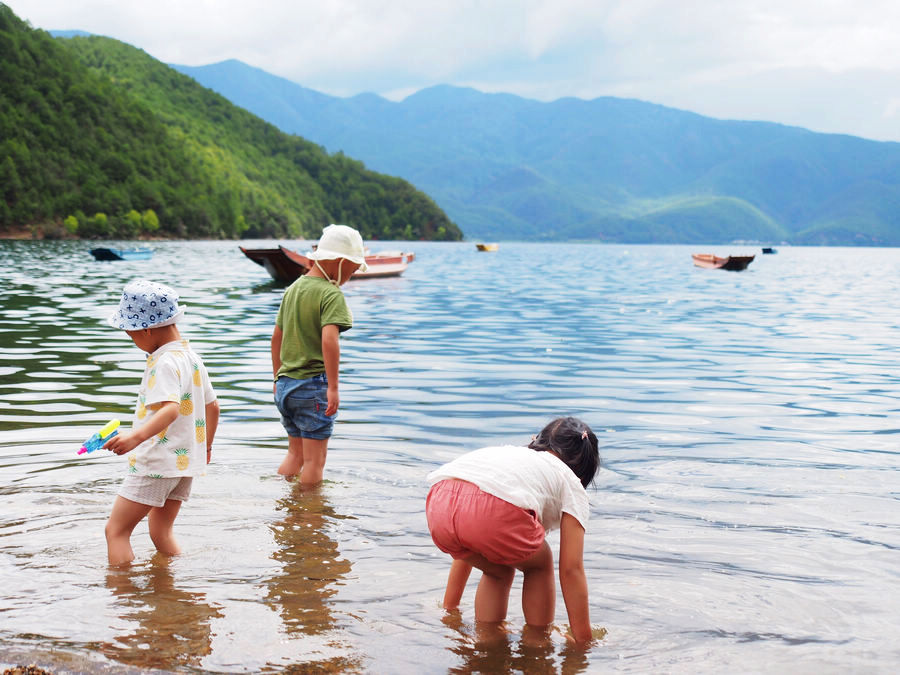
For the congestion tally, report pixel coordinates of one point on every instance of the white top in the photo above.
(174, 372)
(539, 481)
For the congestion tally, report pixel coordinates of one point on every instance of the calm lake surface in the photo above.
(746, 519)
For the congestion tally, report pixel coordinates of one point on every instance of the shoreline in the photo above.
(17, 234)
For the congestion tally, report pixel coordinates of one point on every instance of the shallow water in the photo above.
(746, 518)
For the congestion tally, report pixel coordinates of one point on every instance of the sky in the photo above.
(827, 65)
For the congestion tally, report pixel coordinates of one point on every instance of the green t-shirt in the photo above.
(308, 305)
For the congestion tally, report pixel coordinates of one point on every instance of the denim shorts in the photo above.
(302, 405)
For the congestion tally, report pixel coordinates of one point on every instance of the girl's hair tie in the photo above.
(584, 434)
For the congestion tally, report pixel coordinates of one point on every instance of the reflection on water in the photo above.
(494, 648)
(747, 512)
(311, 564)
(171, 625)
(311, 570)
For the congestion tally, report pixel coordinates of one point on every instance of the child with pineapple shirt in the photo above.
(176, 417)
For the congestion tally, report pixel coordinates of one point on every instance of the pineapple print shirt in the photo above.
(174, 372)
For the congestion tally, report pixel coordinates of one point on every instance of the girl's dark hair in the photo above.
(574, 442)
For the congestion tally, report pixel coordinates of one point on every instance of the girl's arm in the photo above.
(163, 415)
(331, 355)
(212, 423)
(456, 583)
(572, 578)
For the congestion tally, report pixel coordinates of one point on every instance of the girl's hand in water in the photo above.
(597, 634)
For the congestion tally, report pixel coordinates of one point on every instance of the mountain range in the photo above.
(607, 169)
(99, 139)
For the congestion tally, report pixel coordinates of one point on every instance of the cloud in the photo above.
(707, 55)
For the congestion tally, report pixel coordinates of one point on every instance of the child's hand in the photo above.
(597, 634)
(333, 401)
(123, 442)
(572, 642)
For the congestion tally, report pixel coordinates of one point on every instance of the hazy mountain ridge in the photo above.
(609, 169)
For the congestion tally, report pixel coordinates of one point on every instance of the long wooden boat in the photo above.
(122, 253)
(487, 247)
(733, 263)
(285, 265)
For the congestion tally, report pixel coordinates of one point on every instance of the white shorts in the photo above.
(155, 491)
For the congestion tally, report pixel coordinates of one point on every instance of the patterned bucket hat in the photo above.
(146, 304)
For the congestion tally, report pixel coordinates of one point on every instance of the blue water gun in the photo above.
(109, 430)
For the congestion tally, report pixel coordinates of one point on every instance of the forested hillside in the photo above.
(608, 169)
(99, 139)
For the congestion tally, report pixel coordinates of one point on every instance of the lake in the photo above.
(747, 517)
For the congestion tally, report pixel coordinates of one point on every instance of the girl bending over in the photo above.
(492, 508)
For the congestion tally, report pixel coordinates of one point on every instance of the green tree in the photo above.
(99, 225)
(10, 183)
(130, 224)
(149, 221)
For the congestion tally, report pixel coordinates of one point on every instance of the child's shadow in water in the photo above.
(311, 571)
(311, 563)
(173, 624)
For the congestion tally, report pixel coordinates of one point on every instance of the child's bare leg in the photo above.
(456, 583)
(125, 516)
(161, 520)
(539, 588)
(492, 596)
(314, 453)
(292, 463)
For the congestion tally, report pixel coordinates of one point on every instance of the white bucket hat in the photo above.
(341, 241)
(146, 304)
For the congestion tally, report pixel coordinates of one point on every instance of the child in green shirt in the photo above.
(306, 351)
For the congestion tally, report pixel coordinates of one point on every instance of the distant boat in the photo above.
(733, 263)
(769, 249)
(487, 247)
(285, 265)
(122, 253)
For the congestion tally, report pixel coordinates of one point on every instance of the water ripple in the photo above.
(747, 511)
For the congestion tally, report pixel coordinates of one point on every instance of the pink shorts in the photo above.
(464, 520)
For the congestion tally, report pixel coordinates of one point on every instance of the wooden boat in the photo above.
(122, 253)
(733, 263)
(487, 247)
(285, 265)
